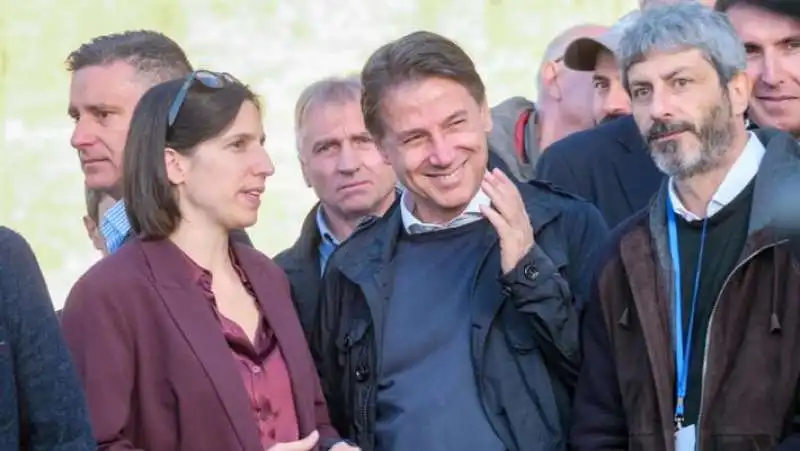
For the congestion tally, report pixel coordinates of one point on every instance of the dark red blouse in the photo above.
(261, 365)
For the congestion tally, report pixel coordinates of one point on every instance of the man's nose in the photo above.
(772, 73)
(617, 103)
(442, 152)
(83, 135)
(349, 159)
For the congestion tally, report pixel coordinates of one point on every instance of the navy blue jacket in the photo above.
(525, 329)
(41, 401)
(609, 165)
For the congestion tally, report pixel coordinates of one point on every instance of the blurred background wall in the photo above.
(276, 46)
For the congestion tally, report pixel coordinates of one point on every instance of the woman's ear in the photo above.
(176, 166)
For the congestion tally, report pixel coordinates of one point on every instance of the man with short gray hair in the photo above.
(352, 180)
(690, 340)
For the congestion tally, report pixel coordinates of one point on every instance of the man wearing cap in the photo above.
(608, 165)
(596, 56)
(522, 128)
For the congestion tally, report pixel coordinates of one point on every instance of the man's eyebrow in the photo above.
(324, 142)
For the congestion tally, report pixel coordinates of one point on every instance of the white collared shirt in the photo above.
(741, 173)
(470, 214)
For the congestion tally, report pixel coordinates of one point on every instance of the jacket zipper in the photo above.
(706, 346)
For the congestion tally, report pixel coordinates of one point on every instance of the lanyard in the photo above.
(682, 353)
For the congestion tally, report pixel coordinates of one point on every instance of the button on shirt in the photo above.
(115, 227)
(470, 214)
(328, 243)
(741, 173)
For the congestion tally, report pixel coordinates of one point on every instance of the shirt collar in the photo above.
(115, 227)
(736, 180)
(413, 225)
(324, 230)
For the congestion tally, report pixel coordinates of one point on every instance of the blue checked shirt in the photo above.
(328, 244)
(115, 227)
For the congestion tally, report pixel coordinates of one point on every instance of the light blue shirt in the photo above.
(115, 227)
(328, 243)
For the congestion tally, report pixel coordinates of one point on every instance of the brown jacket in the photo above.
(626, 393)
(157, 371)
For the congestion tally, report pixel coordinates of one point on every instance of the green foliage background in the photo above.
(277, 46)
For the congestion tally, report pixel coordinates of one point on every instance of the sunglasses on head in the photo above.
(213, 80)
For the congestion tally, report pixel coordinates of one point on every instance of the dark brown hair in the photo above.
(152, 54)
(150, 199)
(414, 57)
(789, 8)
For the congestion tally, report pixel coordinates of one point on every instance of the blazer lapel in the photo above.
(274, 296)
(186, 304)
(636, 172)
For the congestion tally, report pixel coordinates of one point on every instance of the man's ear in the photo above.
(549, 80)
(739, 89)
(303, 170)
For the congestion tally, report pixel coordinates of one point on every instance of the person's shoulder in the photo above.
(112, 275)
(252, 255)
(544, 191)
(13, 245)
(612, 249)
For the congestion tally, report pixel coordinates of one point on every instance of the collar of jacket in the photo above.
(307, 244)
(373, 243)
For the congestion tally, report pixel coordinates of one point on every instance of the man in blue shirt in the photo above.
(109, 75)
(349, 175)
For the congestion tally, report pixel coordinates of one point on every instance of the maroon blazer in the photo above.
(157, 371)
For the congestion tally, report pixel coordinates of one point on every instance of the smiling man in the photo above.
(770, 30)
(690, 340)
(350, 177)
(450, 322)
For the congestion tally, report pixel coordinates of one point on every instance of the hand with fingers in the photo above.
(508, 216)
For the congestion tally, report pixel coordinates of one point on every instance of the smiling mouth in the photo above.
(451, 173)
(776, 98)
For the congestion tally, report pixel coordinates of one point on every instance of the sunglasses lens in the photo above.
(210, 80)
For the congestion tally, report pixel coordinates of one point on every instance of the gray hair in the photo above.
(323, 92)
(679, 26)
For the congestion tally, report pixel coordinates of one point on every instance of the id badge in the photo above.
(685, 439)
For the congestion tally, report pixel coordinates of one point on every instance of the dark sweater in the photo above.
(726, 234)
(428, 398)
(41, 401)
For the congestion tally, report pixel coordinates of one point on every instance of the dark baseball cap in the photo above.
(581, 54)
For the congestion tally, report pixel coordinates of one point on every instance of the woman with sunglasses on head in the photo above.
(185, 340)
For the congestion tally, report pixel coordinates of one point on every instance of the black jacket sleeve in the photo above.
(551, 303)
